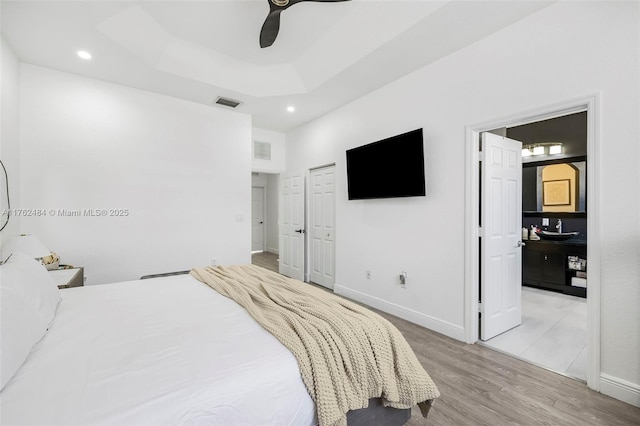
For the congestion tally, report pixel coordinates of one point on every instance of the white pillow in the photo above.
(21, 327)
(30, 279)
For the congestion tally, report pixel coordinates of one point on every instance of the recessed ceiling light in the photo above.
(84, 54)
(291, 108)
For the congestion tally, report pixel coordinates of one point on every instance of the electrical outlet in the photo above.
(368, 273)
(545, 221)
(214, 262)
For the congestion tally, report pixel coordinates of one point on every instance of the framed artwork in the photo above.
(556, 192)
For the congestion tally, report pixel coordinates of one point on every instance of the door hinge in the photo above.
(480, 307)
(479, 231)
(480, 156)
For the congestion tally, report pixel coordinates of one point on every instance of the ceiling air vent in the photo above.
(227, 102)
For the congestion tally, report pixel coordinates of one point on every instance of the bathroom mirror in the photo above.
(558, 187)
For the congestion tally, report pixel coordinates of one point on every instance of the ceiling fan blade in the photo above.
(271, 25)
(270, 28)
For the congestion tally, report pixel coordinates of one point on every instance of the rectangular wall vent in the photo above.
(261, 150)
(227, 102)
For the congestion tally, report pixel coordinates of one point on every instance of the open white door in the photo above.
(322, 227)
(501, 257)
(292, 226)
(257, 219)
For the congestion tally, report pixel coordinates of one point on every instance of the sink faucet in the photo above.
(559, 226)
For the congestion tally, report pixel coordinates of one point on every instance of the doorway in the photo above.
(552, 333)
(473, 255)
(264, 219)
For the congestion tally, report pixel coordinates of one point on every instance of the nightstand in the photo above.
(67, 278)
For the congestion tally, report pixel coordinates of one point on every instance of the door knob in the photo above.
(520, 244)
(300, 231)
(261, 222)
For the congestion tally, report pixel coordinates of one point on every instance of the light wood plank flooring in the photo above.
(266, 260)
(480, 386)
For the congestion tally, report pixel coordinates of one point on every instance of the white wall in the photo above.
(567, 50)
(278, 143)
(9, 138)
(181, 169)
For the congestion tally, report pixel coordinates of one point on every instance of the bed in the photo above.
(166, 350)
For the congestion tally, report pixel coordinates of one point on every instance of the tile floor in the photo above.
(553, 333)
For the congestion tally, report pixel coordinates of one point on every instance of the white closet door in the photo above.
(292, 228)
(322, 232)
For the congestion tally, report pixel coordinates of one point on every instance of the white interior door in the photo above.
(292, 226)
(501, 277)
(322, 229)
(257, 218)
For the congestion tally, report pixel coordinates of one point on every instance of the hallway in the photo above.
(266, 260)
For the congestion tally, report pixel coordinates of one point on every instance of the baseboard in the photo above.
(435, 324)
(620, 389)
(272, 250)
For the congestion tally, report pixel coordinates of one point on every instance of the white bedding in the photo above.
(159, 351)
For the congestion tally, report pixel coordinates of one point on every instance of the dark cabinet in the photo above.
(553, 267)
(545, 265)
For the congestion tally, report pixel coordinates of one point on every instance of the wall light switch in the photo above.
(545, 221)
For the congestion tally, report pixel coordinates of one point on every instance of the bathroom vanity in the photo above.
(545, 264)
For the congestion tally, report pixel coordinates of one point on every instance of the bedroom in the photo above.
(74, 131)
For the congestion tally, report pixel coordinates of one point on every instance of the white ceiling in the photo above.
(326, 54)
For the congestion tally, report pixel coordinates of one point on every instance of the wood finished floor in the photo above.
(480, 386)
(266, 260)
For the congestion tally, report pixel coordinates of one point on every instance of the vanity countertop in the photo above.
(572, 242)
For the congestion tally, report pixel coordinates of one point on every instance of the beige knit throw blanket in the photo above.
(346, 353)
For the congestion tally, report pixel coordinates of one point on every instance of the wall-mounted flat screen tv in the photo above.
(389, 168)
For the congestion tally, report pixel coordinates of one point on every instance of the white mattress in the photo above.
(159, 351)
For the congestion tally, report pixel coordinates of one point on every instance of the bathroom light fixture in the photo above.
(540, 148)
(291, 108)
(555, 149)
(84, 54)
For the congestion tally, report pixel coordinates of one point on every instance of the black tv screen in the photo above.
(390, 168)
